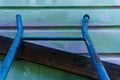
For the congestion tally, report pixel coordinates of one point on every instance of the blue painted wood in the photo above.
(11, 53)
(101, 72)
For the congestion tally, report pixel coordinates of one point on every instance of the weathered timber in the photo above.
(58, 59)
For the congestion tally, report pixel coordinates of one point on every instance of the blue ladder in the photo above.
(13, 49)
(101, 72)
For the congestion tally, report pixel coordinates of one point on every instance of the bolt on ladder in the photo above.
(101, 72)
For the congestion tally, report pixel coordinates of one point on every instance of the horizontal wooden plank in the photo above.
(99, 37)
(58, 59)
(58, 2)
(58, 7)
(64, 17)
(37, 26)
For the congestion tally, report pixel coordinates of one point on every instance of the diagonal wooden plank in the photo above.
(58, 59)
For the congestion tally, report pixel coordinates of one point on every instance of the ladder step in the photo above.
(54, 38)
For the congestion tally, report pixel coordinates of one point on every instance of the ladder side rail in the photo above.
(12, 50)
(101, 72)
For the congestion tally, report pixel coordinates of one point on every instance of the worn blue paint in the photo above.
(11, 53)
(101, 72)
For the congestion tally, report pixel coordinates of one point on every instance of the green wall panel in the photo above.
(23, 70)
(57, 2)
(62, 17)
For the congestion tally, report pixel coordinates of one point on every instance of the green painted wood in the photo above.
(102, 39)
(103, 13)
(57, 2)
(58, 7)
(24, 70)
(99, 17)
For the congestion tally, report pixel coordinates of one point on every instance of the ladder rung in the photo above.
(54, 38)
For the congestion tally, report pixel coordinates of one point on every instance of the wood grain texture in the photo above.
(25, 70)
(58, 59)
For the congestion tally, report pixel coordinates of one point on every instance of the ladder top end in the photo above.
(18, 15)
(86, 15)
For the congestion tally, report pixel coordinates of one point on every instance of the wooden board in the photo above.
(58, 2)
(102, 38)
(26, 70)
(58, 59)
(69, 12)
(66, 17)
